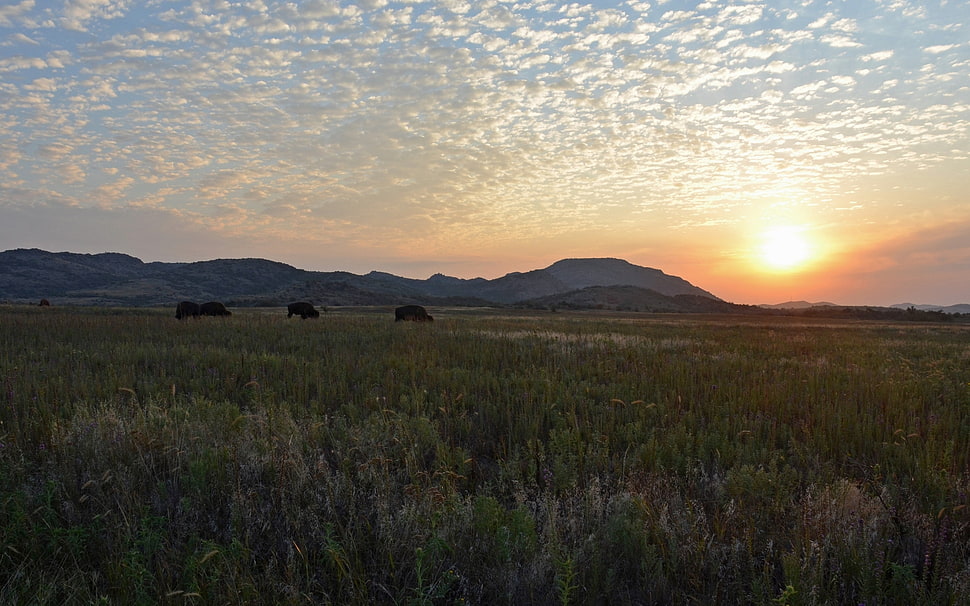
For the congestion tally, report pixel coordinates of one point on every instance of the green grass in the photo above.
(543, 458)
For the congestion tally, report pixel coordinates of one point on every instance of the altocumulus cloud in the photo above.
(462, 126)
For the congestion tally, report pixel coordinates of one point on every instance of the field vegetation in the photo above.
(551, 458)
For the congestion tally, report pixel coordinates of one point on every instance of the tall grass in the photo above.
(481, 459)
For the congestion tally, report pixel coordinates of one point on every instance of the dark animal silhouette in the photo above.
(413, 313)
(303, 309)
(214, 308)
(44, 303)
(187, 309)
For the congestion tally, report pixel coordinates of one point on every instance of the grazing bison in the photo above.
(414, 313)
(44, 303)
(214, 308)
(187, 309)
(303, 309)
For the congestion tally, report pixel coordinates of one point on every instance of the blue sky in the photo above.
(479, 138)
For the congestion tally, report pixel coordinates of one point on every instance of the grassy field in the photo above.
(481, 459)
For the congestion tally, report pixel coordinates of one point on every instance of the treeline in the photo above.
(910, 314)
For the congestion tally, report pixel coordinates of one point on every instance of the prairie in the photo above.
(539, 458)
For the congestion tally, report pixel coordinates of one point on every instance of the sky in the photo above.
(765, 151)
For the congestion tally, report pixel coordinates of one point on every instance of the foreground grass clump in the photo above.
(571, 459)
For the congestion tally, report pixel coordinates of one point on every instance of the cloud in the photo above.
(55, 151)
(20, 38)
(840, 41)
(10, 64)
(821, 22)
(75, 14)
(884, 55)
(12, 14)
(741, 15)
(318, 9)
(940, 48)
(48, 85)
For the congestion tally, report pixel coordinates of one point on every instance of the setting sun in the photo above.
(785, 248)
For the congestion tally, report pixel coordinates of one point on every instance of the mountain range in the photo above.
(28, 275)
(116, 279)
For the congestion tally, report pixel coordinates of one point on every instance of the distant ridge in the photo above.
(797, 305)
(960, 308)
(27, 275)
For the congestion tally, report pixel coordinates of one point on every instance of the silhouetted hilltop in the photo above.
(576, 274)
(581, 273)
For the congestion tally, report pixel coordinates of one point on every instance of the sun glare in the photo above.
(785, 248)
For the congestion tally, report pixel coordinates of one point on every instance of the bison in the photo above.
(186, 309)
(303, 309)
(44, 303)
(214, 308)
(414, 313)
